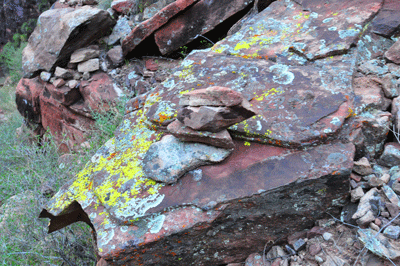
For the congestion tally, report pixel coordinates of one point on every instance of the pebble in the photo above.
(392, 231)
(385, 178)
(327, 236)
(300, 244)
(374, 226)
(357, 194)
(318, 259)
(314, 249)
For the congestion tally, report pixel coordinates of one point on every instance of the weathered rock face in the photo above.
(59, 33)
(314, 74)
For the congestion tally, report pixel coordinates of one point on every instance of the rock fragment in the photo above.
(362, 167)
(167, 160)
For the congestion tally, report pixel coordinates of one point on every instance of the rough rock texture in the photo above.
(169, 159)
(201, 18)
(313, 71)
(220, 139)
(54, 39)
(145, 29)
(386, 23)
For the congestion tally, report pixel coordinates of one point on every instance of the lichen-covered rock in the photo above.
(169, 159)
(391, 155)
(52, 42)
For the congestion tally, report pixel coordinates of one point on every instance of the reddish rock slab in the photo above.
(212, 96)
(296, 105)
(198, 19)
(99, 93)
(124, 6)
(27, 96)
(387, 21)
(65, 126)
(226, 204)
(221, 139)
(212, 118)
(146, 28)
(313, 30)
(64, 95)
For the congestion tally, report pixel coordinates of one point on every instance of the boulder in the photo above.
(53, 40)
(148, 27)
(120, 31)
(200, 18)
(27, 96)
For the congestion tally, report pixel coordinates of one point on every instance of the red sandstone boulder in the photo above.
(146, 28)
(52, 42)
(27, 96)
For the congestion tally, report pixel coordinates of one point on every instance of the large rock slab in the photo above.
(312, 30)
(55, 36)
(146, 28)
(201, 18)
(387, 22)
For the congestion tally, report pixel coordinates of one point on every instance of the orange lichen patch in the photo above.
(112, 155)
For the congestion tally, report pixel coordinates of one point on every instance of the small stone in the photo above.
(392, 231)
(374, 226)
(89, 65)
(392, 208)
(396, 187)
(391, 195)
(85, 145)
(353, 184)
(375, 181)
(318, 259)
(391, 155)
(120, 31)
(73, 84)
(355, 177)
(389, 87)
(316, 231)
(378, 221)
(385, 214)
(254, 259)
(385, 178)
(115, 56)
(84, 54)
(368, 177)
(392, 54)
(86, 76)
(45, 76)
(362, 167)
(368, 207)
(62, 73)
(356, 194)
(59, 83)
(314, 249)
(300, 244)
(151, 65)
(275, 252)
(327, 236)
(77, 76)
(290, 250)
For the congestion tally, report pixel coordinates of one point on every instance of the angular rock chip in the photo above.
(168, 159)
(211, 118)
(212, 96)
(52, 42)
(84, 54)
(220, 139)
(89, 65)
(391, 155)
(379, 244)
(393, 53)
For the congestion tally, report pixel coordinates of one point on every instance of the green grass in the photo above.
(25, 168)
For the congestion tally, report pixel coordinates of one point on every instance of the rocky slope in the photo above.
(243, 143)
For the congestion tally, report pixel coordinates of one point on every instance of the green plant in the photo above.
(11, 57)
(183, 51)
